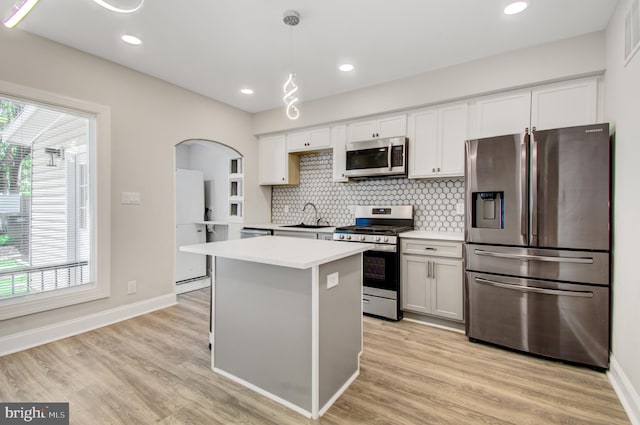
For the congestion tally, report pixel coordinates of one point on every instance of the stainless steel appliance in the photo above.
(377, 158)
(537, 242)
(380, 225)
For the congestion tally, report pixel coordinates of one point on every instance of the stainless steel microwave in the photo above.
(377, 158)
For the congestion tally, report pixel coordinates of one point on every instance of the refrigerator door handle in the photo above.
(583, 294)
(523, 182)
(533, 214)
(550, 259)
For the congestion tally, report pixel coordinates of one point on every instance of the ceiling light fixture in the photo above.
(113, 8)
(20, 12)
(346, 67)
(515, 8)
(291, 18)
(246, 91)
(131, 39)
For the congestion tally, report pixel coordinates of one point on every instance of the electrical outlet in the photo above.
(132, 287)
(286, 209)
(460, 209)
(332, 280)
(352, 210)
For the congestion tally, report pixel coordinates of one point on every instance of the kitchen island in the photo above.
(287, 317)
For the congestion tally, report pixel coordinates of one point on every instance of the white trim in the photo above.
(34, 337)
(264, 393)
(624, 389)
(338, 393)
(433, 325)
(193, 285)
(315, 341)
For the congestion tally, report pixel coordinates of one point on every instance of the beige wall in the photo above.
(623, 110)
(559, 60)
(148, 118)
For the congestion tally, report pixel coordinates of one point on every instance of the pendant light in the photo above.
(291, 18)
(22, 8)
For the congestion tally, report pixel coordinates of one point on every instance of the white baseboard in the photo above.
(193, 285)
(342, 389)
(39, 336)
(624, 389)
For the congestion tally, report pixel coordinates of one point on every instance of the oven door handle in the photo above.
(580, 260)
(560, 292)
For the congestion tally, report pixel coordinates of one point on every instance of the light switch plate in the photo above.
(460, 208)
(130, 198)
(332, 280)
(132, 287)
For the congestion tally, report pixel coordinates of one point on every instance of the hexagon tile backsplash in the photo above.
(434, 201)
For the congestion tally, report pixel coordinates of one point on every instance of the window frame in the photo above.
(100, 201)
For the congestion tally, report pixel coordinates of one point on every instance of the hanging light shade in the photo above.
(291, 18)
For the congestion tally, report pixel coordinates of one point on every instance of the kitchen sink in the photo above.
(307, 226)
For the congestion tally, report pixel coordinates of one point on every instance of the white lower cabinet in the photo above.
(432, 278)
(294, 234)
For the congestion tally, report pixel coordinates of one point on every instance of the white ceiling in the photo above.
(216, 47)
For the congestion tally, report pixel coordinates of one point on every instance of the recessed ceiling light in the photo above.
(346, 67)
(515, 8)
(246, 91)
(109, 6)
(131, 39)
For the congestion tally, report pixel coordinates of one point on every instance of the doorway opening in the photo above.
(209, 205)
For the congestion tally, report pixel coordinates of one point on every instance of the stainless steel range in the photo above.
(380, 225)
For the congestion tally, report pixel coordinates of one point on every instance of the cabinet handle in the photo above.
(430, 248)
(428, 269)
(433, 270)
(438, 169)
(433, 170)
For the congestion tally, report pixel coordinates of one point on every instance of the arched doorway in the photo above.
(208, 197)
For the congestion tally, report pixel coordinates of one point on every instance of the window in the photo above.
(44, 242)
(48, 198)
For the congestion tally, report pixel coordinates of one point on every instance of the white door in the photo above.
(452, 134)
(506, 113)
(423, 141)
(565, 105)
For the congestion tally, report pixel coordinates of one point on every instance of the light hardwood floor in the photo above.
(156, 369)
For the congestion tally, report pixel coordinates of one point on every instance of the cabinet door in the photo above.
(423, 140)
(416, 293)
(565, 105)
(339, 140)
(392, 126)
(298, 141)
(452, 132)
(446, 288)
(302, 141)
(363, 130)
(503, 114)
(272, 160)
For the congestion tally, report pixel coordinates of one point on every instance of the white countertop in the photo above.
(272, 226)
(441, 236)
(280, 251)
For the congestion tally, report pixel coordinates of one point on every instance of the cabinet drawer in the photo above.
(432, 248)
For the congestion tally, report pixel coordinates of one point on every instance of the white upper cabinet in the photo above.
(436, 141)
(565, 105)
(339, 141)
(390, 126)
(275, 164)
(502, 114)
(309, 140)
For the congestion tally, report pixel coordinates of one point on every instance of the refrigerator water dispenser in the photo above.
(488, 210)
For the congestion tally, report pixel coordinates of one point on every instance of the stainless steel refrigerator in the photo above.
(537, 242)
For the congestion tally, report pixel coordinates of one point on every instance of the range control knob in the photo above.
(362, 237)
(348, 237)
(377, 238)
(341, 236)
(386, 239)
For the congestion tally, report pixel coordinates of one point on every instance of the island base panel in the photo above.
(263, 327)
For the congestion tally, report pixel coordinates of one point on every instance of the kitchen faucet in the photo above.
(314, 208)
